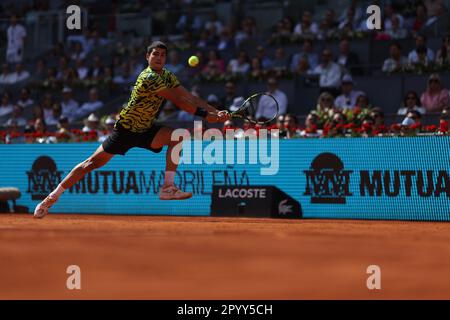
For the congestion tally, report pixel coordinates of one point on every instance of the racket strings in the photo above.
(252, 108)
(249, 108)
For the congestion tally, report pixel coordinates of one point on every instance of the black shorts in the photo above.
(122, 140)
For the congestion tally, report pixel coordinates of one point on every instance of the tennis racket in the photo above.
(247, 110)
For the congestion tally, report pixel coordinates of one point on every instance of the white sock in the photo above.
(169, 176)
(58, 191)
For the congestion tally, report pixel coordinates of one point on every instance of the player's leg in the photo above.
(98, 159)
(169, 191)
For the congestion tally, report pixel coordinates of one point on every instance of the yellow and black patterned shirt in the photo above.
(142, 107)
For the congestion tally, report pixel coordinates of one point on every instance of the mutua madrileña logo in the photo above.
(43, 177)
(328, 183)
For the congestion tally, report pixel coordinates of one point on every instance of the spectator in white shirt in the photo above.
(307, 50)
(25, 100)
(214, 24)
(82, 70)
(16, 117)
(413, 56)
(6, 107)
(53, 118)
(247, 32)
(16, 34)
(266, 106)
(330, 73)
(68, 104)
(225, 41)
(347, 100)
(240, 65)
(397, 31)
(306, 26)
(350, 21)
(78, 52)
(20, 74)
(411, 102)
(90, 106)
(6, 75)
(389, 13)
(396, 61)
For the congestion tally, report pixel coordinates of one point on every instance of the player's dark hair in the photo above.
(156, 44)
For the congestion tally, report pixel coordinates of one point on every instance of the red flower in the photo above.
(366, 127)
(382, 128)
(312, 129)
(396, 127)
(415, 126)
(431, 128)
(349, 126)
(326, 130)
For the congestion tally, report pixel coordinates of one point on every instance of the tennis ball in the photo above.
(193, 61)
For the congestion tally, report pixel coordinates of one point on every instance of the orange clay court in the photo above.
(149, 257)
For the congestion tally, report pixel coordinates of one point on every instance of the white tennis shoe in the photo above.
(173, 193)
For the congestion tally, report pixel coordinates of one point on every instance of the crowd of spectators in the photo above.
(421, 59)
(47, 97)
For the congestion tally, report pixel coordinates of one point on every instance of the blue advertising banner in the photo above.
(353, 178)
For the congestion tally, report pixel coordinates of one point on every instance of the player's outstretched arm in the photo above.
(190, 103)
(193, 100)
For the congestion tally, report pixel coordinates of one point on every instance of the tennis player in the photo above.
(135, 127)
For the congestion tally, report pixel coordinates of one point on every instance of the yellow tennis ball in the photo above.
(193, 61)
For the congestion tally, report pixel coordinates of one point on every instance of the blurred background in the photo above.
(331, 75)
